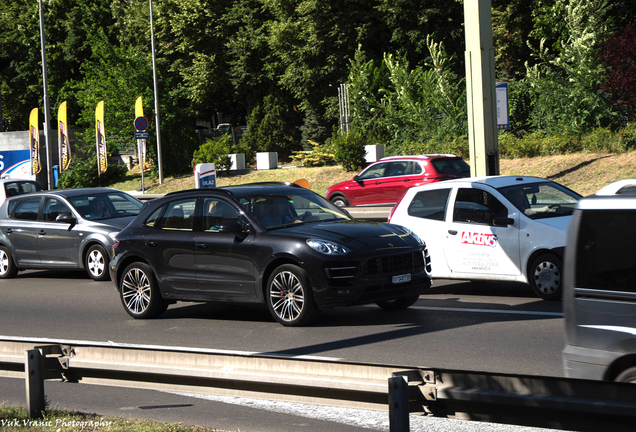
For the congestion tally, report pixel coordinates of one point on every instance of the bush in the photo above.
(215, 151)
(349, 151)
(83, 173)
(319, 156)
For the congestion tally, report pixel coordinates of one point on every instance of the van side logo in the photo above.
(479, 239)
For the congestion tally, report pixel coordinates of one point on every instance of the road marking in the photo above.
(494, 311)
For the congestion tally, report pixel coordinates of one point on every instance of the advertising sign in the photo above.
(204, 176)
(503, 110)
(102, 156)
(34, 142)
(15, 164)
(62, 136)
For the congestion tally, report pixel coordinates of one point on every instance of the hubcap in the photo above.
(96, 263)
(135, 291)
(547, 277)
(287, 296)
(4, 262)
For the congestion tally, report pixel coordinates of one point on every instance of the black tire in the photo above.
(627, 376)
(8, 269)
(546, 276)
(289, 296)
(398, 303)
(339, 201)
(96, 263)
(139, 292)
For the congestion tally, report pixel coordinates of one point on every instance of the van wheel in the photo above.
(546, 276)
(8, 269)
(628, 376)
(398, 303)
(339, 201)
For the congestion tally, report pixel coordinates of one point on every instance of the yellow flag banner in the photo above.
(62, 138)
(141, 143)
(102, 161)
(34, 142)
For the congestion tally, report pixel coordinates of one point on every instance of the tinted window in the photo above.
(52, 208)
(216, 212)
(605, 254)
(541, 200)
(450, 166)
(154, 217)
(430, 204)
(627, 190)
(179, 215)
(395, 169)
(105, 205)
(19, 188)
(27, 209)
(477, 206)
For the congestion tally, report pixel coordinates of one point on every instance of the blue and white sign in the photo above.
(204, 176)
(503, 110)
(15, 164)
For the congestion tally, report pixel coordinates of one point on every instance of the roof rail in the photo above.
(225, 191)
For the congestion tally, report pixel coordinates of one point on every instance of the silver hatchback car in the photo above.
(63, 229)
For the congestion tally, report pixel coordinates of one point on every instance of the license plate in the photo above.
(401, 278)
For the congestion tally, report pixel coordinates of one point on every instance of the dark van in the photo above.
(599, 291)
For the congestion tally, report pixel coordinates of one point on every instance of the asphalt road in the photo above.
(486, 327)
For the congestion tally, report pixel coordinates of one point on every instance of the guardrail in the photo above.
(552, 402)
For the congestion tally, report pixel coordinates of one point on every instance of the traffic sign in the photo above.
(141, 124)
(141, 135)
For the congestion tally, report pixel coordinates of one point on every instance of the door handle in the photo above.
(452, 232)
(202, 246)
(42, 232)
(151, 243)
(9, 230)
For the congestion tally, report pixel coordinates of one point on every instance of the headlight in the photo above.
(327, 248)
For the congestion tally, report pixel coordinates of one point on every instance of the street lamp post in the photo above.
(47, 116)
(154, 77)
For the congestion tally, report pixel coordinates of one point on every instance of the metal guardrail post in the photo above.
(34, 370)
(398, 404)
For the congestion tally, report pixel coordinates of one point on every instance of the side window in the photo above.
(52, 208)
(396, 169)
(430, 204)
(179, 215)
(477, 206)
(152, 220)
(216, 212)
(27, 209)
(413, 168)
(605, 251)
(374, 171)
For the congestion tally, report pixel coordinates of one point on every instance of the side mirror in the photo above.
(233, 227)
(66, 218)
(356, 178)
(503, 221)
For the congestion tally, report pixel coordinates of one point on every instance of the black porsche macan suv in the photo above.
(275, 243)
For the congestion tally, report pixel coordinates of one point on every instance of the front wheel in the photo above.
(545, 276)
(8, 269)
(628, 376)
(96, 263)
(289, 296)
(398, 303)
(339, 201)
(139, 292)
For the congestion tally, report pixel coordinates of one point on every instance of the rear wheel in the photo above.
(96, 263)
(545, 276)
(289, 296)
(8, 268)
(339, 201)
(399, 303)
(139, 292)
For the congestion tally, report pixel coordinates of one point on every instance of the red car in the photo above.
(385, 181)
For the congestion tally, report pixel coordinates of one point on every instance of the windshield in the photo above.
(108, 205)
(541, 200)
(278, 210)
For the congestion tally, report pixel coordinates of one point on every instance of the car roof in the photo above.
(245, 189)
(614, 188)
(493, 181)
(68, 192)
(14, 180)
(419, 157)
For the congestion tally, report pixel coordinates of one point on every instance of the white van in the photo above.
(599, 290)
